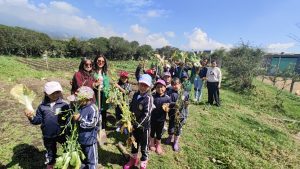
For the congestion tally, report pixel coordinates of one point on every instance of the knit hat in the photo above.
(83, 92)
(51, 87)
(146, 79)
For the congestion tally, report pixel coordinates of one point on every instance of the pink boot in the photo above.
(158, 147)
(176, 143)
(49, 166)
(169, 139)
(152, 144)
(132, 162)
(144, 164)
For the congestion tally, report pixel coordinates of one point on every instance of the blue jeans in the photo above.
(198, 83)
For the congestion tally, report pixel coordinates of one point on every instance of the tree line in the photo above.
(25, 42)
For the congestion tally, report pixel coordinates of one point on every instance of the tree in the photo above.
(242, 65)
(73, 48)
(144, 51)
(99, 45)
(167, 51)
(219, 55)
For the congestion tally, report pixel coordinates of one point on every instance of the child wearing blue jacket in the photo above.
(176, 122)
(50, 115)
(141, 105)
(158, 116)
(87, 118)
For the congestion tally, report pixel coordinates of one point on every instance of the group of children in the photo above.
(157, 99)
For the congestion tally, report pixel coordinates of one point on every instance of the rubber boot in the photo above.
(144, 164)
(152, 144)
(159, 149)
(176, 143)
(49, 167)
(169, 139)
(134, 161)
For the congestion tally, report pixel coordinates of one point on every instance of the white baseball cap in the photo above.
(146, 79)
(51, 87)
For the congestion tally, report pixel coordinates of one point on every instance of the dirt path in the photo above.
(280, 83)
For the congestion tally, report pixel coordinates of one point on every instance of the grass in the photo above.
(248, 131)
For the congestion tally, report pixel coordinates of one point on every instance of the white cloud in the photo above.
(156, 40)
(143, 9)
(279, 47)
(142, 35)
(170, 34)
(137, 29)
(156, 13)
(63, 6)
(56, 17)
(199, 40)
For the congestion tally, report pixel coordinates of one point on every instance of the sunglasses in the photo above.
(100, 61)
(88, 64)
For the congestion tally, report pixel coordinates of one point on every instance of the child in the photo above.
(49, 115)
(198, 83)
(177, 121)
(87, 117)
(125, 87)
(158, 116)
(167, 78)
(141, 105)
(186, 83)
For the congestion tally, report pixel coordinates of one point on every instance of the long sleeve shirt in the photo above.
(214, 74)
(158, 114)
(141, 106)
(89, 117)
(81, 78)
(51, 118)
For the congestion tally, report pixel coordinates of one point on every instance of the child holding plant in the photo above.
(87, 118)
(141, 106)
(178, 112)
(158, 116)
(125, 87)
(47, 114)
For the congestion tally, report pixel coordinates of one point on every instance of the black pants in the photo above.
(213, 93)
(50, 145)
(141, 138)
(118, 113)
(171, 128)
(156, 129)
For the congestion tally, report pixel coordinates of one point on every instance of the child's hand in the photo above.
(76, 117)
(97, 83)
(29, 114)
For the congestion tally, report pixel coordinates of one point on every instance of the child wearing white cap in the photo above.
(51, 114)
(87, 118)
(141, 105)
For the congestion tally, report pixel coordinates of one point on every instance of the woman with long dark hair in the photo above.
(84, 75)
(101, 84)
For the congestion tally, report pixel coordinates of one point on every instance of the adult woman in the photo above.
(84, 75)
(214, 78)
(101, 84)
